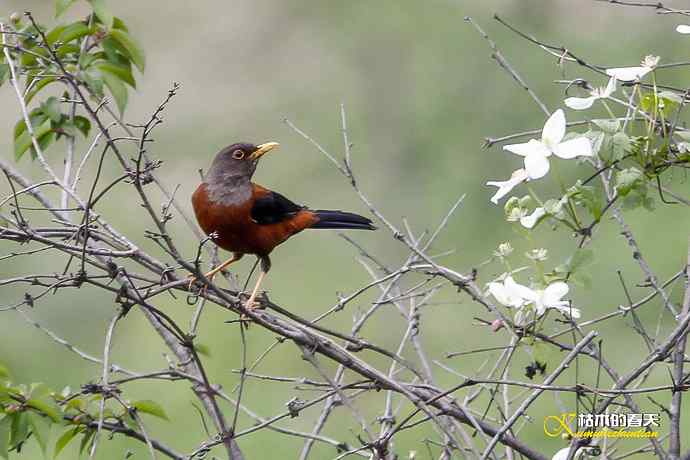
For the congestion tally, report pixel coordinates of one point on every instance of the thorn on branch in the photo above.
(294, 406)
(28, 300)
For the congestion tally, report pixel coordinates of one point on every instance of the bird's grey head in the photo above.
(229, 176)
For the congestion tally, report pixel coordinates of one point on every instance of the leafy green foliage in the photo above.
(608, 126)
(98, 53)
(62, 5)
(5, 424)
(587, 197)
(574, 268)
(4, 73)
(632, 186)
(65, 439)
(134, 51)
(31, 412)
(150, 407)
(102, 12)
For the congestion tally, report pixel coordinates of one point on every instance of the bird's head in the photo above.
(238, 161)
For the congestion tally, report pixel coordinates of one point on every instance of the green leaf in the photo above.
(683, 135)
(40, 429)
(596, 138)
(119, 71)
(573, 267)
(52, 35)
(621, 145)
(86, 440)
(671, 96)
(150, 407)
(129, 421)
(202, 349)
(64, 50)
(51, 107)
(5, 423)
(61, 6)
(119, 24)
(85, 60)
(628, 179)
(94, 84)
(608, 126)
(580, 259)
(136, 54)
(65, 439)
(115, 52)
(4, 73)
(24, 142)
(30, 59)
(42, 83)
(102, 12)
(20, 429)
(117, 89)
(74, 31)
(83, 124)
(4, 373)
(587, 197)
(45, 407)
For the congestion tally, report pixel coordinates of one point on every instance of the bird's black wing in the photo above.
(273, 208)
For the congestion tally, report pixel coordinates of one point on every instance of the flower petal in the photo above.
(500, 293)
(610, 87)
(569, 311)
(517, 290)
(683, 29)
(531, 220)
(578, 147)
(554, 292)
(504, 187)
(527, 148)
(561, 454)
(537, 166)
(580, 103)
(554, 128)
(628, 73)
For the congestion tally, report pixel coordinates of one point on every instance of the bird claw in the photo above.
(192, 281)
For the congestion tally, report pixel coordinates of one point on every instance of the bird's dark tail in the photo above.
(340, 219)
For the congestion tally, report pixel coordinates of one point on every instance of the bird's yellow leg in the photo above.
(235, 257)
(250, 303)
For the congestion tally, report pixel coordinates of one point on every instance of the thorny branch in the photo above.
(493, 402)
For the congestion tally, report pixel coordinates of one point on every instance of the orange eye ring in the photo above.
(238, 154)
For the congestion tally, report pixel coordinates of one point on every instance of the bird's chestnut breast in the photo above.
(234, 227)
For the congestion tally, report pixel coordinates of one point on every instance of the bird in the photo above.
(242, 217)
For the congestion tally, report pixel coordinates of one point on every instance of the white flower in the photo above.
(683, 29)
(550, 297)
(530, 220)
(540, 254)
(515, 295)
(504, 250)
(563, 454)
(536, 152)
(509, 293)
(634, 73)
(582, 103)
(504, 187)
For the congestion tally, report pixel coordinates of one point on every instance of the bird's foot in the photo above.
(193, 281)
(250, 305)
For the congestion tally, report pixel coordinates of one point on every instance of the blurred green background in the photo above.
(421, 93)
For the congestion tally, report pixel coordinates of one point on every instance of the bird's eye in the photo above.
(238, 154)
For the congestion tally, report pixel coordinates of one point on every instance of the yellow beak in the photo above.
(262, 149)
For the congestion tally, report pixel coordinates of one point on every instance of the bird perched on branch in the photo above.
(245, 218)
